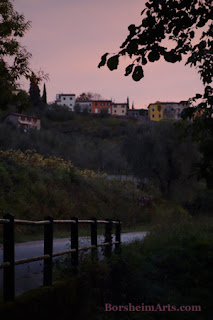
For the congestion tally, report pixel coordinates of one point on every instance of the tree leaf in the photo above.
(129, 69)
(112, 62)
(103, 60)
(142, 12)
(172, 56)
(137, 73)
(132, 28)
(192, 34)
(153, 56)
(144, 61)
(132, 46)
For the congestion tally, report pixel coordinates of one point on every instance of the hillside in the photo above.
(158, 154)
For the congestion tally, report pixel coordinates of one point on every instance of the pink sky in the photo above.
(68, 38)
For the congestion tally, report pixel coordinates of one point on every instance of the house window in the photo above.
(165, 109)
(153, 116)
(108, 110)
(70, 104)
(96, 104)
(159, 115)
(64, 98)
(123, 106)
(89, 110)
(115, 106)
(96, 110)
(70, 98)
(109, 103)
(153, 109)
(102, 103)
(115, 111)
(122, 111)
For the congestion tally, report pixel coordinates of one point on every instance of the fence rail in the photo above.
(9, 261)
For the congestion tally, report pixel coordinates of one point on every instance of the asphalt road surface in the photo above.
(30, 275)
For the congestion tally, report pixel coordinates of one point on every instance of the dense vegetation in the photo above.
(34, 186)
(157, 154)
(173, 266)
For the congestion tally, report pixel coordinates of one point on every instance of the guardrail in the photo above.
(9, 261)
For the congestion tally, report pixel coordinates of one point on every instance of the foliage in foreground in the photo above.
(172, 266)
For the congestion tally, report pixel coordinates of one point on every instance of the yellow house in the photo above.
(155, 111)
(166, 110)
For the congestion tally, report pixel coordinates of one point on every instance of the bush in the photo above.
(201, 204)
(59, 113)
(172, 266)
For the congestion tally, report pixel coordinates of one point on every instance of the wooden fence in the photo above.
(9, 261)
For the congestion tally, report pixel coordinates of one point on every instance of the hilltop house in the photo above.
(166, 110)
(99, 105)
(133, 113)
(67, 100)
(23, 121)
(119, 109)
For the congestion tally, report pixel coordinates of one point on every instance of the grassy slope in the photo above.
(34, 186)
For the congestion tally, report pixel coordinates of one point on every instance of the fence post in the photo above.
(108, 238)
(74, 244)
(9, 272)
(94, 240)
(48, 249)
(118, 236)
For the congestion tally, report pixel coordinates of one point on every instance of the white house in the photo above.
(67, 100)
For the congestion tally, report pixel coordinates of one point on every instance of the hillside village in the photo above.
(154, 112)
(98, 106)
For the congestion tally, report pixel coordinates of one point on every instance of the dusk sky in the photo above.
(68, 37)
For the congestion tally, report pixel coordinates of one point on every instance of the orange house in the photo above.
(98, 105)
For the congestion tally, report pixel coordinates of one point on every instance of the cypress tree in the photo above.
(44, 96)
(127, 103)
(34, 90)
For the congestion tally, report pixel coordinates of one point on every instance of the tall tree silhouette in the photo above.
(44, 96)
(34, 90)
(127, 102)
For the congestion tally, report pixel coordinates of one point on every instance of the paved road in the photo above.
(30, 275)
